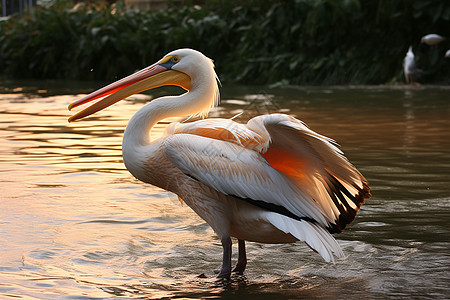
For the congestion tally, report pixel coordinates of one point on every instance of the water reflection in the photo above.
(74, 223)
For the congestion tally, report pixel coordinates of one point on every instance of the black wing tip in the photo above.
(347, 214)
(275, 208)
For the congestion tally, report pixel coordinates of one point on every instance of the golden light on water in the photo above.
(74, 222)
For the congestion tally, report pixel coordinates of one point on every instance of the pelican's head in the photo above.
(186, 68)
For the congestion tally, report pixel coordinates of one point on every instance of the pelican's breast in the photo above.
(149, 164)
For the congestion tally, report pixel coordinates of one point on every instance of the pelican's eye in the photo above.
(169, 61)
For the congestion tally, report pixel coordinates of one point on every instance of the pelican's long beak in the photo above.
(151, 77)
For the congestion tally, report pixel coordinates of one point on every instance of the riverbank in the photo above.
(256, 42)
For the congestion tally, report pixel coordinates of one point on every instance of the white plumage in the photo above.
(314, 235)
(432, 39)
(272, 180)
(409, 67)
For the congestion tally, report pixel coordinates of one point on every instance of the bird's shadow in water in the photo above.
(237, 287)
(198, 287)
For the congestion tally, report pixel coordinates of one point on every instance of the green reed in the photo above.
(318, 42)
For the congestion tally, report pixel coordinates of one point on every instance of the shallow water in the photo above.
(75, 224)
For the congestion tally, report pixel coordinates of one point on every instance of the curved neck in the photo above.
(137, 132)
(200, 99)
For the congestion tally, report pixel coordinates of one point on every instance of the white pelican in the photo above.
(272, 180)
(409, 67)
(432, 39)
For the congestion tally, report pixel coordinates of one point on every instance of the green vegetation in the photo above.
(315, 42)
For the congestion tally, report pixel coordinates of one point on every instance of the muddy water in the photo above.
(75, 224)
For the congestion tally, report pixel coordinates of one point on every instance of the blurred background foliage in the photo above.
(305, 42)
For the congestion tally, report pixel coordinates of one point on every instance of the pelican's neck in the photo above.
(137, 132)
(200, 98)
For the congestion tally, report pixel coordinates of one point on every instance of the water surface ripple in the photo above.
(74, 224)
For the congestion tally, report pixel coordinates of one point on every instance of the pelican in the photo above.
(409, 67)
(432, 39)
(272, 180)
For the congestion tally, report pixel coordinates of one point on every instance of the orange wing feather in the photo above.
(286, 162)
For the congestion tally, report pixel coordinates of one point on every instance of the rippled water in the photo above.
(75, 224)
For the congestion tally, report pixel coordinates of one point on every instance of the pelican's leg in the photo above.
(225, 272)
(242, 258)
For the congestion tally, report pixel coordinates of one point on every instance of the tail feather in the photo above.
(315, 236)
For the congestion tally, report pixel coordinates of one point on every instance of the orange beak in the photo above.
(151, 77)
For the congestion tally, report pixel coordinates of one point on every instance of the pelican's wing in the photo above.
(220, 129)
(315, 165)
(318, 181)
(236, 171)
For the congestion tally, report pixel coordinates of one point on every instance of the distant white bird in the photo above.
(447, 54)
(432, 39)
(409, 67)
